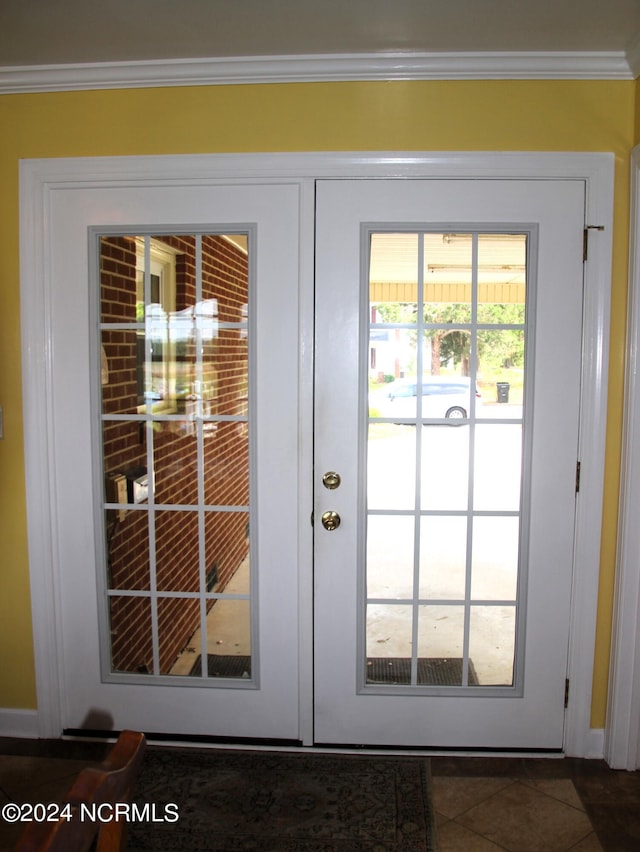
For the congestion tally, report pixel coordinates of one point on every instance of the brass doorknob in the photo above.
(331, 480)
(330, 521)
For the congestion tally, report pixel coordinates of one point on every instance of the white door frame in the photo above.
(622, 741)
(40, 178)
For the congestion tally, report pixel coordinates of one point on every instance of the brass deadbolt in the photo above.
(331, 480)
(330, 521)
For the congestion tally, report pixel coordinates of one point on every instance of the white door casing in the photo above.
(622, 743)
(41, 180)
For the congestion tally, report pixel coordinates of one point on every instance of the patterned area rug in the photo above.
(283, 802)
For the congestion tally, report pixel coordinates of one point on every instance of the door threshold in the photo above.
(439, 751)
(296, 746)
(173, 739)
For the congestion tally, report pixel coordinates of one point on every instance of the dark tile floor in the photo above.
(535, 804)
(482, 804)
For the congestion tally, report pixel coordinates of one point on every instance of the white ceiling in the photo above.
(42, 32)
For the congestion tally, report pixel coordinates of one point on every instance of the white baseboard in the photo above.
(595, 744)
(24, 723)
(19, 723)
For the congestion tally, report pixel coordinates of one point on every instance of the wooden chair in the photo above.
(108, 785)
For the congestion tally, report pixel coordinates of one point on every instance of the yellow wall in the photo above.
(440, 116)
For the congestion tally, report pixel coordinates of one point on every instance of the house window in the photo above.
(155, 305)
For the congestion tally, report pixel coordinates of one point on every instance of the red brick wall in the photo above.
(225, 456)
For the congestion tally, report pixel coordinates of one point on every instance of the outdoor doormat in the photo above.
(432, 671)
(283, 802)
(223, 665)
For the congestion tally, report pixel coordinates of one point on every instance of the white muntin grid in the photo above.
(469, 513)
(147, 419)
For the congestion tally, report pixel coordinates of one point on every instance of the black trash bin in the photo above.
(503, 391)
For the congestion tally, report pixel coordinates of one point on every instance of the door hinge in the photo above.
(566, 693)
(578, 466)
(585, 239)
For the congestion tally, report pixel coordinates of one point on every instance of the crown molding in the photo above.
(633, 57)
(320, 68)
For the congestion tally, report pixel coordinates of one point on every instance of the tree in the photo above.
(496, 347)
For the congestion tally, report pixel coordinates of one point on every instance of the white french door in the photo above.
(171, 424)
(448, 364)
(174, 317)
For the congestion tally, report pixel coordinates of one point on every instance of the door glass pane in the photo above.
(494, 558)
(448, 300)
(174, 324)
(389, 629)
(444, 481)
(175, 617)
(177, 551)
(502, 276)
(440, 642)
(497, 466)
(131, 649)
(175, 462)
(443, 557)
(391, 486)
(492, 632)
(446, 388)
(390, 556)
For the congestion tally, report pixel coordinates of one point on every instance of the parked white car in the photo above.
(442, 397)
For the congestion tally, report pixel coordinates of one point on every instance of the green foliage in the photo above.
(498, 347)
(400, 312)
